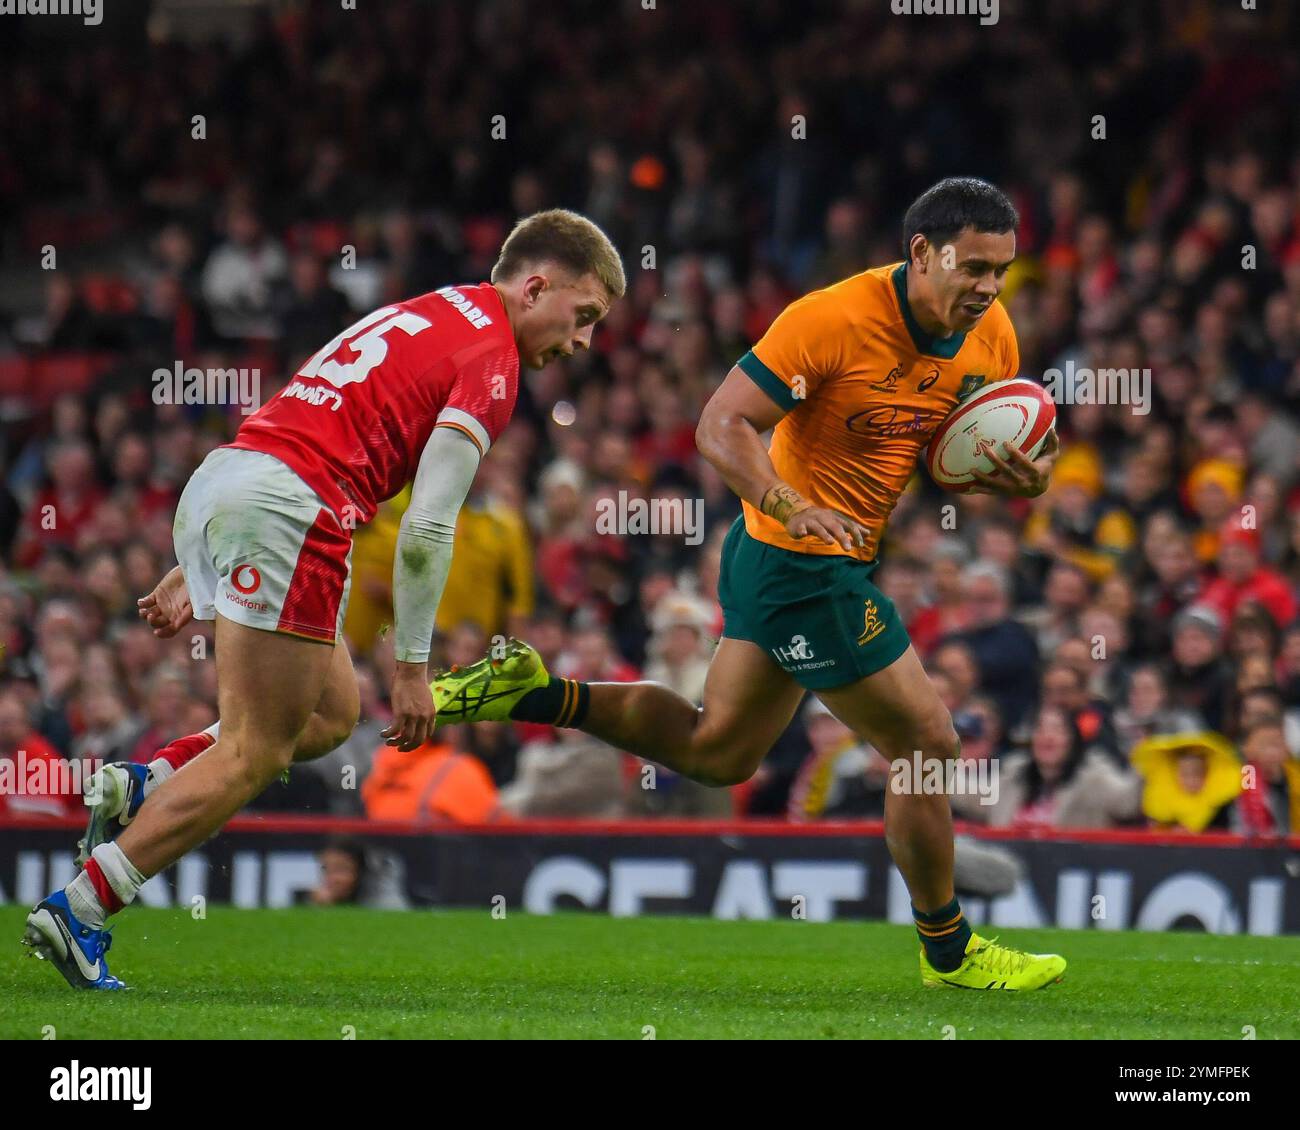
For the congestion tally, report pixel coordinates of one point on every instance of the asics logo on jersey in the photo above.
(471, 313)
(889, 384)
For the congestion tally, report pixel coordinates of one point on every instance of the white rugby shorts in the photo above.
(258, 545)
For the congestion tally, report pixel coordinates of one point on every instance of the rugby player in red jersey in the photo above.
(413, 393)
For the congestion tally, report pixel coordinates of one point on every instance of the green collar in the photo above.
(945, 348)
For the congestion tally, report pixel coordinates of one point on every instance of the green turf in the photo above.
(310, 973)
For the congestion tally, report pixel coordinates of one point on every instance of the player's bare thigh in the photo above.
(897, 710)
(268, 687)
(748, 702)
(337, 711)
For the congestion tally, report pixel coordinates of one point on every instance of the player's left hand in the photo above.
(1017, 475)
(413, 709)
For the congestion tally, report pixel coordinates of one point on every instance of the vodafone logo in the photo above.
(251, 584)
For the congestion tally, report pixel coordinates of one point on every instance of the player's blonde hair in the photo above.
(566, 238)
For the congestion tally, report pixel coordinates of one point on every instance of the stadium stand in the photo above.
(1123, 642)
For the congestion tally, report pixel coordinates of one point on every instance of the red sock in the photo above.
(103, 891)
(184, 750)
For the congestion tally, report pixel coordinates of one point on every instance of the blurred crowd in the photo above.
(1125, 645)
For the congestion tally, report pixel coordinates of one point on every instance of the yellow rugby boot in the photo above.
(488, 690)
(992, 966)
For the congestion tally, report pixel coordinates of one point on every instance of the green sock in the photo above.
(562, 702)
(944, 934)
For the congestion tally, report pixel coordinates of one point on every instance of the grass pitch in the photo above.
(325, 974)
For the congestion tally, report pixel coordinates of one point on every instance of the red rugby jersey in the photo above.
(354, 420)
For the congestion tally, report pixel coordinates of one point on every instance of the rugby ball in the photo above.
(1018, 412)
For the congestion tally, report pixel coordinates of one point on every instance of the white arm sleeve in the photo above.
(446, 472)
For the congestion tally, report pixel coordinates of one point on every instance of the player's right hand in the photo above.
(167, 609)
(831, 526)
(413, 709)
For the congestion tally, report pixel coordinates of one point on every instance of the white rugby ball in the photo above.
(1018, 412)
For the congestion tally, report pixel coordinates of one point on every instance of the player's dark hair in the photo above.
(944, 210)
(563, 237)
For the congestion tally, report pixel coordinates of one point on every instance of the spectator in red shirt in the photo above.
(900, 578)
(947, 611)
(168, 695)
(60, 510)
(1242, 577)
(671, 438)
(34, 779)
(1270, 803)
(593, 658)
(137, 478)
(562, 533)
